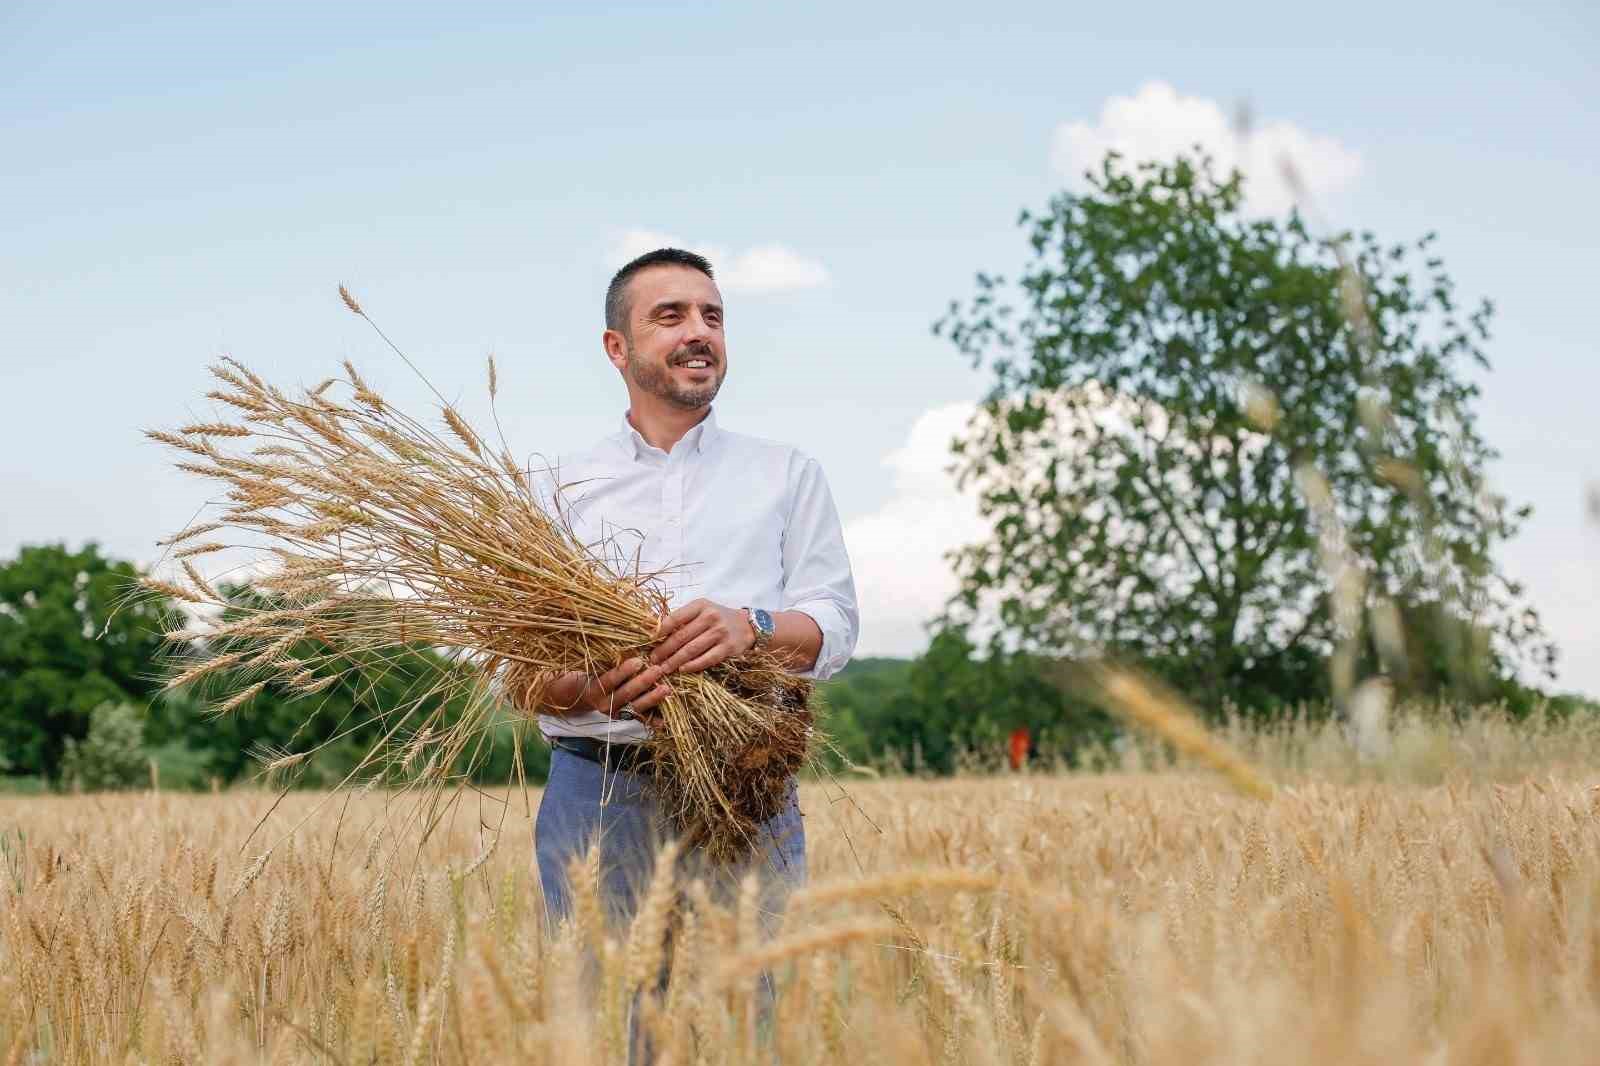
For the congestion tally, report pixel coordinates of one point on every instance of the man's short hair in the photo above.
(618, 306)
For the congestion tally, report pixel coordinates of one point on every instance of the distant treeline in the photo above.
(81, 669)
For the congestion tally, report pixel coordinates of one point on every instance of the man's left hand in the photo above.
(701, 634)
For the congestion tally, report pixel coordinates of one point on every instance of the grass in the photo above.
(1435, 900)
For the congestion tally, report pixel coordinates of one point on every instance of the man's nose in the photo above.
(696, 328)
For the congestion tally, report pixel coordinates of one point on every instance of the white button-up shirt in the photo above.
(742, 521)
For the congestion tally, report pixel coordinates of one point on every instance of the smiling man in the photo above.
(748, 542)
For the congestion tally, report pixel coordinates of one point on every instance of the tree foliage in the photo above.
(74, 639)
(1177, 386)
(112, 756)
(926, 712)
(66, 647)
(382, 701)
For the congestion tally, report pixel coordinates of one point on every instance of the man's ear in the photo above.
(616, 346)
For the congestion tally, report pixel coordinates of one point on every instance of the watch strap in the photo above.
(763, 634)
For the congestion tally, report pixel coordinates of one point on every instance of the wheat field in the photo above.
(1436, 902)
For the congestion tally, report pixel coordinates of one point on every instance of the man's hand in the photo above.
(699, 635)
(632, 683)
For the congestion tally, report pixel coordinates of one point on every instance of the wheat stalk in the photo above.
(1166, 716)
(647, 938)
(830, 938)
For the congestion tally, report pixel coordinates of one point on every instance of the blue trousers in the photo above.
(584, 802)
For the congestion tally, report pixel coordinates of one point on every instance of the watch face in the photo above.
(763, 621)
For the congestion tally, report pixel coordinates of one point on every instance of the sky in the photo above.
(183, 182)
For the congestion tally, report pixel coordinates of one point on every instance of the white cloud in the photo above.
(773, 268)
(1157, 122)
(897, 551)
(761, 268)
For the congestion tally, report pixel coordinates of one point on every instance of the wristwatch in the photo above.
(761, 622)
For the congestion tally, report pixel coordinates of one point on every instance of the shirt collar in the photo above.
(700, 436)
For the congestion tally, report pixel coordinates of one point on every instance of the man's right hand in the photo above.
(632, 684)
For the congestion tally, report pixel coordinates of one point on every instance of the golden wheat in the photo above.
(1442, 905)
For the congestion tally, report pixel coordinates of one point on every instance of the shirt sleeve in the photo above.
(816, 570)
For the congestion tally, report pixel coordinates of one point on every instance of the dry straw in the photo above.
(380, 536)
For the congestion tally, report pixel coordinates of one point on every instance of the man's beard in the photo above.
(658, 381)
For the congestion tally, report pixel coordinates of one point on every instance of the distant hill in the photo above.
(871, 667)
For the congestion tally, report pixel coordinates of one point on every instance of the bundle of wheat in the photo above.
(381, 535)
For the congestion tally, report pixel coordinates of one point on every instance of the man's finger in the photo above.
(637, 686)
(652, 698)
(678, 637)
(691, 650)
(716, 655)
(615, 676)
(683, 635)
(677, 618)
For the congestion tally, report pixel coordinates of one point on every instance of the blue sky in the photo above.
(183, 182)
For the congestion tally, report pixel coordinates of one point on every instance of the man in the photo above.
(748, 540)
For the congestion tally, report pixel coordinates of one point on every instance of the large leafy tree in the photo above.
(1220, 445)
(70, 640)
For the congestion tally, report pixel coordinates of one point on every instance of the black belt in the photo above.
(613, 756)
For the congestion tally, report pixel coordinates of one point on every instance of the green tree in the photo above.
(66, 646)
(951, 698)
(341, 724)
(1172, 380)
(112, 756)
(852, 699)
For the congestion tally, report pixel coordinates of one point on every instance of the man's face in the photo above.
(676, 349)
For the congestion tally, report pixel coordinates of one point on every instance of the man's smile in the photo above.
(696, 362)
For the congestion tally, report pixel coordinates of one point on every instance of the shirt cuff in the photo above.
(837, 639)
